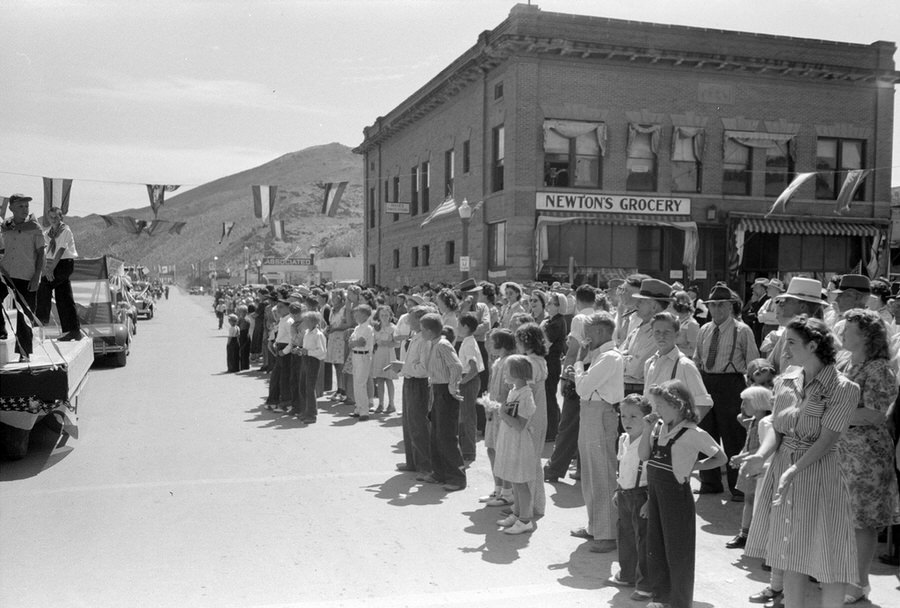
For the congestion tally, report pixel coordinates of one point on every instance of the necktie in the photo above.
(713, 350)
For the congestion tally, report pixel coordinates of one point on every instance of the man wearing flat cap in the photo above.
(724, 347)
(22, 251)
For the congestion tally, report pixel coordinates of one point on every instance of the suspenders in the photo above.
(734, 333)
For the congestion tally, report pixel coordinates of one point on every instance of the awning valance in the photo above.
(758, 139)
(794, 226)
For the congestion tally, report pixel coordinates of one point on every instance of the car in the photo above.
(196, 291)
(103, 310)
(143, 302)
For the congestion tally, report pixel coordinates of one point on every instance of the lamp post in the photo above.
(246, 262)
(258, 270)
(312, 263)
(465, 215)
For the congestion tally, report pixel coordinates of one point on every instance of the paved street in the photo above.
(181, 492)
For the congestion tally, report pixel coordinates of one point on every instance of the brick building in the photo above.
(601, 147)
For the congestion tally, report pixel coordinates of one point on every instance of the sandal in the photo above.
(499, 501)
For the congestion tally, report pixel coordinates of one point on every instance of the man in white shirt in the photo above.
(600, 387)
(654, 297)
(566, 446)
(416, 394)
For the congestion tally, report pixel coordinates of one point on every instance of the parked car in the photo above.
(143, 300)
(103, 310)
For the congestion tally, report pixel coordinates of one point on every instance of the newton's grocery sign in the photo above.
(612, 203)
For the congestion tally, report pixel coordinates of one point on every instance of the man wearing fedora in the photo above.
(22, 263)
(853, 292)
(724, 347)
(803, 297)
(654, 297)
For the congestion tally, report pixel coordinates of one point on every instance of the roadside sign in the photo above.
(464, 263)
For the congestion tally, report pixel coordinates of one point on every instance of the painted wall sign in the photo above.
(612, 203)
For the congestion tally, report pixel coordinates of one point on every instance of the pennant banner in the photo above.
(333, 194)
(264, 201)
(227, 227)
(781, 202)
(177, 227)
(56, 194)
(448, 207)
(278, 230)
(157, 193)
(4, 203)
(135, 226)
(848, 189)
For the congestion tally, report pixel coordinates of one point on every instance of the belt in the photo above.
(360, 352)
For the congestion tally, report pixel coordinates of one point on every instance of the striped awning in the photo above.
(621, 219)
(834, 227)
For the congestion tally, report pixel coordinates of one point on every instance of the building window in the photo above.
(779, 168)
(426, 255)
(687, 158)
(573, 154)
(449, 172)
(834, 157)
(396, 195)
(498, 152)
(643, 145)
(371, 207)
(466, 157)
(414, 257)
(414, 190)
(425, 184)
(736, 168)
(498, 90)
(450, 252)
(395, 255)
(372, 275)
(497, 245)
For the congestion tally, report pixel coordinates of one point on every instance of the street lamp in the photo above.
(246, 262)
(312, 264)
(465, 214)
(259, 270)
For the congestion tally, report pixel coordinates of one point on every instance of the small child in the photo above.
(361, 343)
(469, 385)
(761, 372)
(670, 445)
(503, 344)
(631, 499)
(515, 445)
(382, 373)
(232, 348)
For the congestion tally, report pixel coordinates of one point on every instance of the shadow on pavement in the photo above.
(567, 496)
(586, 570)
(497, 548)
(46, 447)
(397, 491)
(718, 515)
(752, 567)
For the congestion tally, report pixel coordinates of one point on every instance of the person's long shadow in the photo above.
(567, 496)
(394, 421)
(586, 570)
(752, 567)
(497, 548)
(398, 448)
(721, 518)
(398, 491)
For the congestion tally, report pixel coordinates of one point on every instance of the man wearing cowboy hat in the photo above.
(654, 297)
(803, 297)
(724, 347)
(22, 263)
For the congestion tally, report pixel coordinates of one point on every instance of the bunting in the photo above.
(56, 194)
(332, 200)
(872, 266)
(278, 230)
(177, 227)
(135, 226)
(157, 193)
(4, 203)
(448, 207)
(781, 202)
(851, 184)
(227, 227)
(264, 201)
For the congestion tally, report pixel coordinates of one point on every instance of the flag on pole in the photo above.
(781, 202)
(263, 201)
(134, 226)
(872, 266)
(448, 207)
(333, 194)
(851, 184)
(154, 226)
(4, 203)
(56, 194)
(227, 227)
(176, 227)
(278, 230)
(157, 193)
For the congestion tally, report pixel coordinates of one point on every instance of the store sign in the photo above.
(396, 208)
(287, 261)
(465, 263)
(612, 203)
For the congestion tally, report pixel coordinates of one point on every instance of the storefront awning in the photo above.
(620, 219)
(836, 227)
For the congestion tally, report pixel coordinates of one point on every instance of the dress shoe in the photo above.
(765, 596)
(581, 533)
(738, 542)
(507, 521)
(576, 475)
(615, 580)
(603, 546)
(641, 596)
(390, 410)
(520, 527)
(709, 490)
(405, 468)
(428, 478)
(499, 501)
(452, 487)
(737, 496)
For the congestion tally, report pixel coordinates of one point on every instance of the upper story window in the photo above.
(449, 171)
(498, 153)
(371, 207)
(687, 158)
(497, 245)
(779, 168)
(641, 163)
(498, 90)
(834, 157)
(573, 153)
(736, 168)
(466, 156)
(425, 184)
(414, 190)
(396, 186)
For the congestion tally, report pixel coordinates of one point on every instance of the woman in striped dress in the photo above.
(804, 518)
(530, 342)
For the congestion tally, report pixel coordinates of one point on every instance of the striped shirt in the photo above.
(415, 359)
(744, 351)
(444, 366)
(658, 369)
(639, 346)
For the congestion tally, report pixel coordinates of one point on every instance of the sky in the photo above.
(116, 94)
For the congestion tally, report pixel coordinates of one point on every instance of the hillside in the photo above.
(205, 207)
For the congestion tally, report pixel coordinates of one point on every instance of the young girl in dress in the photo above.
(381, 359)
(503, 344)
(670, 445)
(515, 445)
